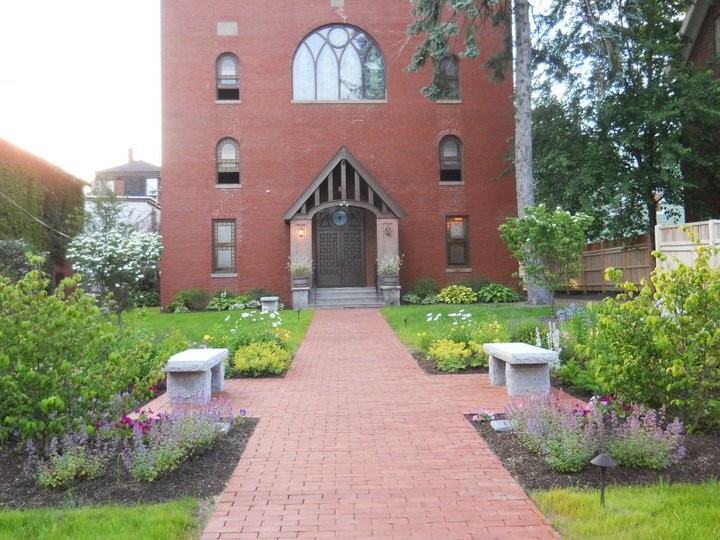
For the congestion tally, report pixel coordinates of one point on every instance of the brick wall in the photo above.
(285, 145)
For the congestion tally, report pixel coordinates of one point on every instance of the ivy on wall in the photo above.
(44, 191)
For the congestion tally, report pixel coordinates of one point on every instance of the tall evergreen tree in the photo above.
(442, 21)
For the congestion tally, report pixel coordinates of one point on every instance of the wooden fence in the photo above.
(675, 243)
(631, 255)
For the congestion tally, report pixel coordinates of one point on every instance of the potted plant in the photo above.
(300, 268)
(389, 269)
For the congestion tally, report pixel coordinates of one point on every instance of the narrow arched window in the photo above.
(227, 70)
(338, 62)
(228, 162)
(449, 80)
(450, 159)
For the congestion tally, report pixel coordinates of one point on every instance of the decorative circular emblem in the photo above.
(339, 218)
(338, 37)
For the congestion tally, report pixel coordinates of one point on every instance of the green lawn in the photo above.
(409, 321)
(660, 512)
(198, 324)
(175, 520)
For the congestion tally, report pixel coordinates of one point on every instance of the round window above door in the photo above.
(339, 218)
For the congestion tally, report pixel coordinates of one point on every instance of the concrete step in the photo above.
(344, 297)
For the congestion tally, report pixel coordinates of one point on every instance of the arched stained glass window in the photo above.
(228, 77)
(228, 162)
(338, 62)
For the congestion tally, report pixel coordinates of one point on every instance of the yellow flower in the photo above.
(207, 338)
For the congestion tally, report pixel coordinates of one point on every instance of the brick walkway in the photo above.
(357, 442)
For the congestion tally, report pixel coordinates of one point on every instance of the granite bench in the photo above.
(193, 375)
(523, 368)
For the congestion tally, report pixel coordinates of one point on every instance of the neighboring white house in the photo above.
(137, 187)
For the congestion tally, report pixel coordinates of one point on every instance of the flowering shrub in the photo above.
(455, 341)
(250, 327)
(568, 436)
(638, 440)
(483, 415)
(262, 358)
(567, 440)
(660, 347)
(172, 438)
(458, 294)
(72, 459)
(116, 263)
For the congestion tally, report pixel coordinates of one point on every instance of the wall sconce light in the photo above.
(388, 230)
(301, 231)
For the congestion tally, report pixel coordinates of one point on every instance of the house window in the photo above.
(228, 162)
(338, 62)
(458, 253)
(223, 246)
(449, 80)
(228, 77)
(450, 159)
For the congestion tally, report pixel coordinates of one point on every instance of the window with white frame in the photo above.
(338, 62)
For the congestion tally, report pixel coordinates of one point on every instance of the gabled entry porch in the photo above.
(344, 222)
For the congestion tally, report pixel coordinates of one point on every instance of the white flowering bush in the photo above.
(116, 264)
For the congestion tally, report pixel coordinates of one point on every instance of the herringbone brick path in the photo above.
(358, 442)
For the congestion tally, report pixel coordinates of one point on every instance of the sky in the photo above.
(80, 81)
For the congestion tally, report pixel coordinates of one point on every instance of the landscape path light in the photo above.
(604, 461)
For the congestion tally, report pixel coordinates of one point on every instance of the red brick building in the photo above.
(701, 27)
(296, 131)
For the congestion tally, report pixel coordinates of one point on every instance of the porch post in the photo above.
(301, 250)
(388, 244)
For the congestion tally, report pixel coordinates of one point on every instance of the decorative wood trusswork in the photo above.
(344, 182)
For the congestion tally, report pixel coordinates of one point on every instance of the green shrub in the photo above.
(72, 460)
(191, 299)
(661, 347)
(527, 332)
(429, 300)
(63, 365)
(146, 299)
(457, 294)
(257, 293)
(223, 300)
(476, 284)
(262, 358)
(56, 356)
(411, 298)
(450, 355)
(425, 287)
(497, 293)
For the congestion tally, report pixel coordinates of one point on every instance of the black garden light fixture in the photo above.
(604, 461)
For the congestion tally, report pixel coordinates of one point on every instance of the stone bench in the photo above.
(194, 374)
(523, 368)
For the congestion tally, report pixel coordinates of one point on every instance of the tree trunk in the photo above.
(523, 131)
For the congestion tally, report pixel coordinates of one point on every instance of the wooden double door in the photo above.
(340, 247)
